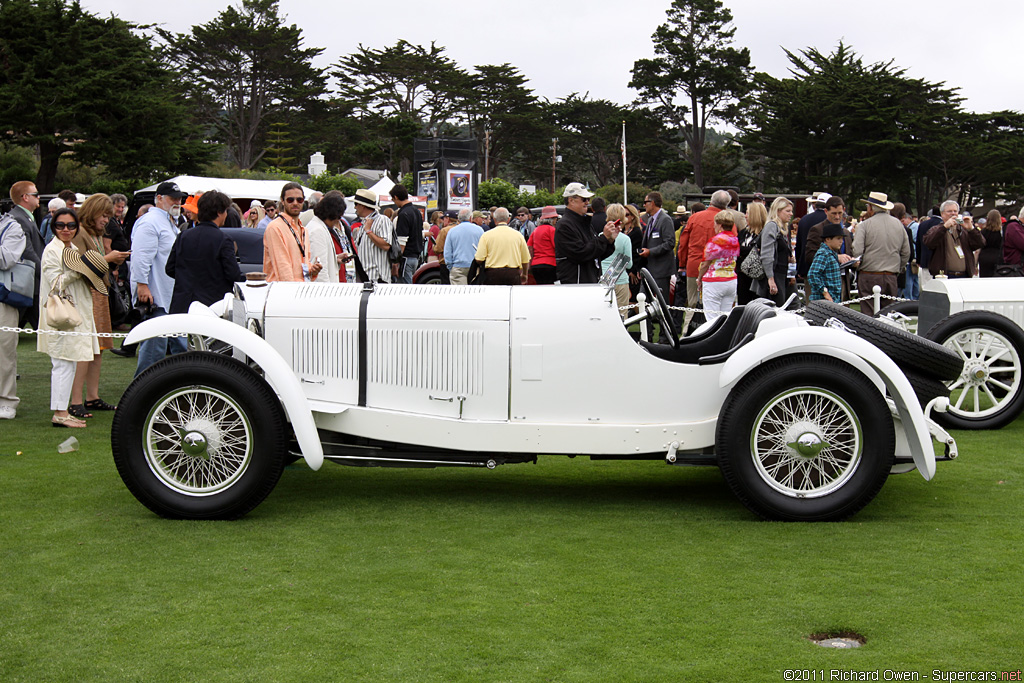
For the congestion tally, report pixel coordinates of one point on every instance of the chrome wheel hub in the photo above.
(194, 444)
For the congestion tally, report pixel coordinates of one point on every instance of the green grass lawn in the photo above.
(567, 570)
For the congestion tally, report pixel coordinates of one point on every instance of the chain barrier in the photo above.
(71, 333)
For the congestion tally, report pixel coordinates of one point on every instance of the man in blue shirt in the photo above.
(153, 237)
(460, 247)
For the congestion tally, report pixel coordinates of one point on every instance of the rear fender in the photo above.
(867, 358)
(275, 370)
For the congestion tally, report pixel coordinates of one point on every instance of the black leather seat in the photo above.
(727, 334)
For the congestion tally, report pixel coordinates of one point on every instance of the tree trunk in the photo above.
(49, 154)
(697, 148)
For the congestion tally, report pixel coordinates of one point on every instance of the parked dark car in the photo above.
(248, 247)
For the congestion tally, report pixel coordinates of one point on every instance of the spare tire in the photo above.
(907, 350)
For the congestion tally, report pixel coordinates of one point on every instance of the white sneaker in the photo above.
(7, 413)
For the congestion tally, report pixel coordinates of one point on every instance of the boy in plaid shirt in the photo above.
(823, 275)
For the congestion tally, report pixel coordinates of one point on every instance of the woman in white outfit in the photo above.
(65, 352)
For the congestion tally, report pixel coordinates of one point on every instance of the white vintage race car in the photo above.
(981, 320)
(805, 422)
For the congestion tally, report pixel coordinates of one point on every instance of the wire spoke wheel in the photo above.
(989, 392)
(806, 443)
(199, 436)
(992, 373)
(791, 439)
(198, 441)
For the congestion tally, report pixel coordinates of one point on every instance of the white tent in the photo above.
(236, 188)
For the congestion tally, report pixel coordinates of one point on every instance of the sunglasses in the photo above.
(294, 200)
(65, 226)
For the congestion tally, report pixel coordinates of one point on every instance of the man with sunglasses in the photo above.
(577, 249)
(270, 207)
(13, 245)
(26, 200)
(523, 222)
(286, 243)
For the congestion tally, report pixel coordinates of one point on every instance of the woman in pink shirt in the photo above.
(717, 274)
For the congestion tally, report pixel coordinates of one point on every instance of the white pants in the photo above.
(718, 298)
(61, 378)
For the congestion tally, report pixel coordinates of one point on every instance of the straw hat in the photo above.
(90, 264)
(879, 199)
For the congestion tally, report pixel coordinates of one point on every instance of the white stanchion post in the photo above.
(876, 291)
(641, 299)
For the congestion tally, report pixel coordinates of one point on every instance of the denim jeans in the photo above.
(912, 289)
(154, 350)
(411, 264)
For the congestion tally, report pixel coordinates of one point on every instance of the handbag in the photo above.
(751, 266)
(17, 283)
(61, 313)
(119, 303)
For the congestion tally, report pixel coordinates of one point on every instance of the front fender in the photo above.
(861, 354)
(276, 371)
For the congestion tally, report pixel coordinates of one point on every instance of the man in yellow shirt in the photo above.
(502, 253)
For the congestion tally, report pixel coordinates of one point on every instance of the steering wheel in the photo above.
(656, 301)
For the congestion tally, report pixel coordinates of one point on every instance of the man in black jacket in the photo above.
(202, 261)
(408, 224)
(816, 206)
(577, 249)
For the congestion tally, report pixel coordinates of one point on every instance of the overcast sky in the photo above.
(590, 46)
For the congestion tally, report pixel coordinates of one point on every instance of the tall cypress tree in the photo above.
(246, 67)
(71, 82)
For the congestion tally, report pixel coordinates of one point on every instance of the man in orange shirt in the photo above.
(286, 244)
(698, 232)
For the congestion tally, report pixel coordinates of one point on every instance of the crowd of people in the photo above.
(717, 257)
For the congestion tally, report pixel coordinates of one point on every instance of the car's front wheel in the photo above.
(199, 436)
(805, 438)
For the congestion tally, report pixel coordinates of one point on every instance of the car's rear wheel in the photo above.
(805, 438)
(199, 436)
(989, 393)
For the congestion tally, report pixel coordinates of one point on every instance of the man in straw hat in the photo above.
(883, 247)
(373, 238)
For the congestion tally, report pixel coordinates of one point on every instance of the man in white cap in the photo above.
(577, 249)
(882, 244)
(373, 237)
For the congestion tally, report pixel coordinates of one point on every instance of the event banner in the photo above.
(460, 187)
(427, 187)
